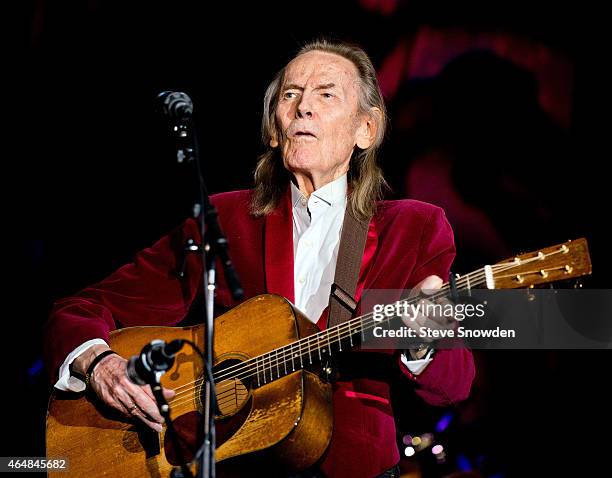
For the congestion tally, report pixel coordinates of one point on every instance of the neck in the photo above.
(309, 181)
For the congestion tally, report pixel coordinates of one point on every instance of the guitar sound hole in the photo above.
(232, 387)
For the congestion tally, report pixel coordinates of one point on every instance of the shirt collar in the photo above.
(332, 194)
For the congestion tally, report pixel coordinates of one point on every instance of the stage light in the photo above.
(426, 439)
(409, 451)
(444, 422)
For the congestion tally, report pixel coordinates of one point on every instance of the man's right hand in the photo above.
(110, 382)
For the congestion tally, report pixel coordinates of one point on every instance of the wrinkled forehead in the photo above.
(318, 67)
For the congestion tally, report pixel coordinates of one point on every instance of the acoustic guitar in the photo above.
(274, 409)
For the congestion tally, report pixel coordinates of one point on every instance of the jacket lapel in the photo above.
(278, 240)
(368, 258)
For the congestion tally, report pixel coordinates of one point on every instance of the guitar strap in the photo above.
(342, 304)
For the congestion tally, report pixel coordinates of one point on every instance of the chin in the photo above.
(305, 160)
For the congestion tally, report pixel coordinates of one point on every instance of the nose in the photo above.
(304, 107)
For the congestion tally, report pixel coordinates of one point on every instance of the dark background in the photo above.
(496, 115)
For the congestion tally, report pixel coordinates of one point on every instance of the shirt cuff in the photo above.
(67, 382)
(417, 366)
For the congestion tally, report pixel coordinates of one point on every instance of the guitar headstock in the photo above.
(563, 261)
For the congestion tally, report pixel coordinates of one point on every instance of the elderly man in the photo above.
(324, 120)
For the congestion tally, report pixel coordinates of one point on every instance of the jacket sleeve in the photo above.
(146, 291)
(449, 376)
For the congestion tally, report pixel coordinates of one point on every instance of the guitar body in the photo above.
(262, 428)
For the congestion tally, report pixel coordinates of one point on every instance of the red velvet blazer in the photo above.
(407, 241)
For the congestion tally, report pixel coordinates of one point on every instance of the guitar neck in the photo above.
(563, 261)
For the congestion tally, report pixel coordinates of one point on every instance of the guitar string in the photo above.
(234, 395)
(248, 364)
(270, 367)
(463, 280)
(501, 267)
(306, 349)
(338, 335)
(243, 364)
(222, 400)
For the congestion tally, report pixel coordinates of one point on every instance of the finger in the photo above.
(107, 395)
(127, 404)
(429, 316)
(446, 317)
(144, 401)
(134, 411)
(410, 322)
(430, 324)
(168, 392)
(410, 318)
(153, 425)
(417, 326)
(119, 405)
(445, 302)
(147, 389)
(430, 284)
(436, 311)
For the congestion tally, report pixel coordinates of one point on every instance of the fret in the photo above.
(285, 360)
(277, 365)
(350, 333)
(361, 327)
(292, 359)
(257, 368)
(339, 340)
(270, 367)
(309, 354)
(301, 361)
(263, 367)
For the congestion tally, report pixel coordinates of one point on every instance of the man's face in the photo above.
(317, 114)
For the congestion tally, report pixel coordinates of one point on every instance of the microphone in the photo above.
(175, 104)
(156, 358)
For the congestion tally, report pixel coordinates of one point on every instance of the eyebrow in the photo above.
(293, 86)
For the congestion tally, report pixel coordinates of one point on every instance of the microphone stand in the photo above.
(149, 371)
(213, 244)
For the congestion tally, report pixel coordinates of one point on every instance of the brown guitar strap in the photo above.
(350, 253)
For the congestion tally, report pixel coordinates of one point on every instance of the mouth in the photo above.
(304, 134)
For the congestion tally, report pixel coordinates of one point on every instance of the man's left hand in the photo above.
(434, 320)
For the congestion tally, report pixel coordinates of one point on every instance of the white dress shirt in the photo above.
(317, 224)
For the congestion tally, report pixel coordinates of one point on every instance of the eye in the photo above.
(327, 95)
(289, 94)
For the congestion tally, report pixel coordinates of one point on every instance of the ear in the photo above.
(368, 127)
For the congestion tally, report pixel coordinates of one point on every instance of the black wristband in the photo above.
(421, 347)
(74, 373)
(93, 364)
